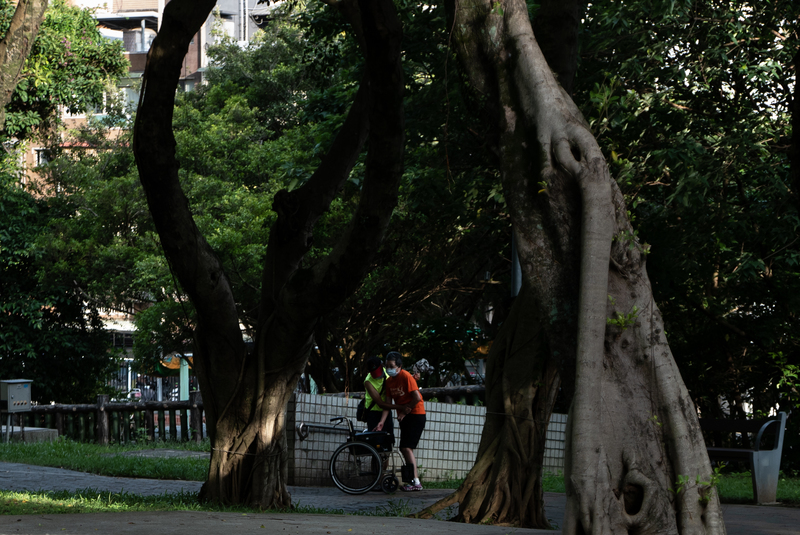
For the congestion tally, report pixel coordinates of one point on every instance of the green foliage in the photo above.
(241, 138)
(70, 65)
(705, 489)
(269, 76)
(655, 420)
(690, 101)
(7, 10)
(446, 343)
(47, 333)
(680, 485)
(101, 235)
(239, 141)
(623, 321)
(428, 285)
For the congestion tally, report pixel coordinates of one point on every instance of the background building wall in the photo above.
(447, 449)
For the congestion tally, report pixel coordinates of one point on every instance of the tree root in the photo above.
(444, 503)
(476, 475)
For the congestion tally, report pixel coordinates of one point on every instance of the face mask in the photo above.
(392, 371)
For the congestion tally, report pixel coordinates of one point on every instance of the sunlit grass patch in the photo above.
(91, 501)
(110, 460)
(95, 501)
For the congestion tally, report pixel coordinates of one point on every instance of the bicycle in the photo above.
(361, 462)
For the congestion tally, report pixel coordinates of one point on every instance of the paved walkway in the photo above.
(739, 519)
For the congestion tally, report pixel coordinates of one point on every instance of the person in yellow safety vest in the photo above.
(377, 418)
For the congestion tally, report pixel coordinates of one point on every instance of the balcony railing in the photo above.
(135, 5)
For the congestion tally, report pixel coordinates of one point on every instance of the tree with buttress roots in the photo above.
(245, 392)
(586, 307)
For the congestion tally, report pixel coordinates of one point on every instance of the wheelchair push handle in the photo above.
(339, 419)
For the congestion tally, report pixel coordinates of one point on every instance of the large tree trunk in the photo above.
(15, 47)
(245, 394)
(633, 430)
(505, 484)
(536, 344)
(636, 460)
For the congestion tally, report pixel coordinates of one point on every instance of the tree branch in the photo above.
(338, 275)
(190, 257)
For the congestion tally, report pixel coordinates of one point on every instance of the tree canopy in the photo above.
(693, 101)
(70, 66)
(51, 329)
(47, 333)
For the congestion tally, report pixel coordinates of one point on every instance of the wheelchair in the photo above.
(367, 460)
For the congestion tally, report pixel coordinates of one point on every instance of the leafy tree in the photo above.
(18, 26)
(70, 65)
(245, 393)
(632, 426)
(100, 234)
(270, 74)
(47, 334)
(232, 165)
(693, 101)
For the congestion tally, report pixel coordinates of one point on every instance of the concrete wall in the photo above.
(28, 434)
(447, 449)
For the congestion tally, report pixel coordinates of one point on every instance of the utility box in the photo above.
(15, 395)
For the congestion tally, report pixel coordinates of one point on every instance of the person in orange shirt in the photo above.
(403, 390)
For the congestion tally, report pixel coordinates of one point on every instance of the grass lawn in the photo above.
(112, 461)
(738, 488)
(732, 488)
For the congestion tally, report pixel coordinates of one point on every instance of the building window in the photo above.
(122, 340)
(42, 157)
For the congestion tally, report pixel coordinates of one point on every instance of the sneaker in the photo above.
(410, 488)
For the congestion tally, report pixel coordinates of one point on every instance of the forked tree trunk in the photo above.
(633, 430)
(245, 394)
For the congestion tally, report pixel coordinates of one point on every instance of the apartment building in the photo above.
(136, 23)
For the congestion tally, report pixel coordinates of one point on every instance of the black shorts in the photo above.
(374, 417)
(411, 430)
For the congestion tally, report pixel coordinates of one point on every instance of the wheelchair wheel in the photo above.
(355, 467)
(389, 484)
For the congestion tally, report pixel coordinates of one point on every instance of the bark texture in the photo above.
(245, 394)
(505, 484)
(633, 430)
(15, 47)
